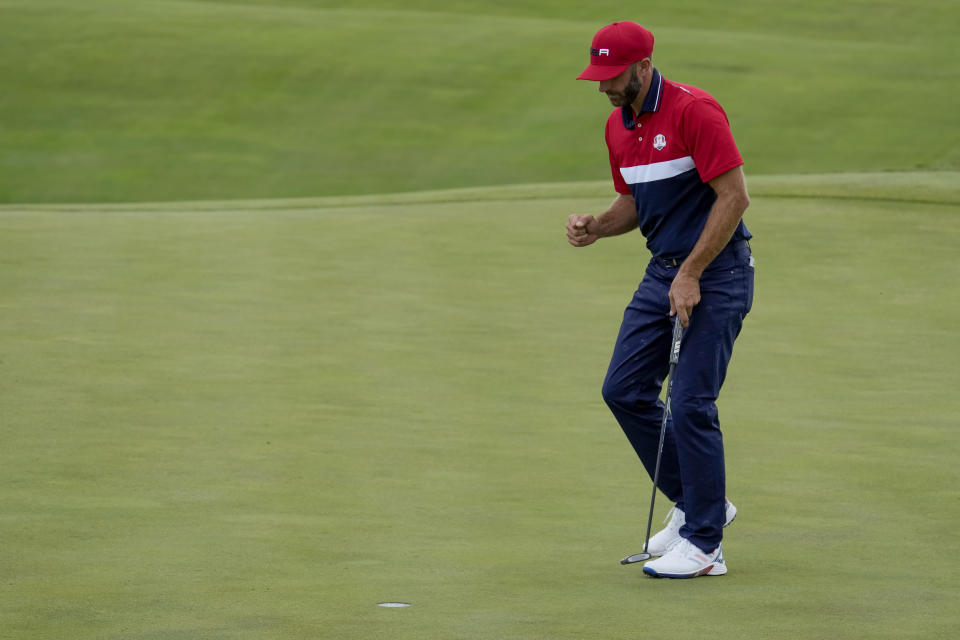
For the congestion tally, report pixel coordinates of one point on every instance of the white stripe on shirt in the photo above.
(657, 171)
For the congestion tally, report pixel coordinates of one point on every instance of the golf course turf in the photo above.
(246, 423)
(290, 327)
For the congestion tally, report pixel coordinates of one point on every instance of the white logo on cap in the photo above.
(659, 142)
(604, 52)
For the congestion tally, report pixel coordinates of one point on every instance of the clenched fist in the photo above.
(579, 230)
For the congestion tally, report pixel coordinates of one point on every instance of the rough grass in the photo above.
(154, 100)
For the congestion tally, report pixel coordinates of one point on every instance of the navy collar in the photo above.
(651, 103)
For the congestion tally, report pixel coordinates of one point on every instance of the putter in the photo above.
(674, 356)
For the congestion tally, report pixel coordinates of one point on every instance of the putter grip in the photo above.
(677, 336)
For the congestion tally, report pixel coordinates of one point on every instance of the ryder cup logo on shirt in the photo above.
(659, 142)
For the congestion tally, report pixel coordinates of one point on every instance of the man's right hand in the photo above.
(579, 230)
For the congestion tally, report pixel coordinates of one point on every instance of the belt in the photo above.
(673, 263)
(669, 263)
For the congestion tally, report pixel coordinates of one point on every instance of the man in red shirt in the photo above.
(679, 179)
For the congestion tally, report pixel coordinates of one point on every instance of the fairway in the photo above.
(259, 420)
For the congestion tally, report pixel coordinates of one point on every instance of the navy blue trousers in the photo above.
(692, 472)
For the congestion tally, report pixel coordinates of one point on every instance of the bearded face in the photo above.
(629, 92)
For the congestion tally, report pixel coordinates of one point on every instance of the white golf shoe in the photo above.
(686, 560)
(660, 543)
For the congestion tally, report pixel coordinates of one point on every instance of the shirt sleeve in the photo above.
(618, 182)
(707, 134)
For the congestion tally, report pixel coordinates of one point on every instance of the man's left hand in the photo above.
(684, 296)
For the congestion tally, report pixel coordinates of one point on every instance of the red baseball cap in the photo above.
(616, 47)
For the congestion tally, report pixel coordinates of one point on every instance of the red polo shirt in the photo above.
(665, 156)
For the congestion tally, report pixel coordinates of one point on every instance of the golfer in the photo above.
(678, 175)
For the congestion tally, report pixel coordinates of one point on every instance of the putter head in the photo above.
(637, 557)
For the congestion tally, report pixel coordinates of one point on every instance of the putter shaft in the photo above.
(674, 358)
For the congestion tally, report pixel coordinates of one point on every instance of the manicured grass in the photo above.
(147, 100)
(281, 391)
(261, 421)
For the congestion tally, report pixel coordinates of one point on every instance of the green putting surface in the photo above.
(260, 423)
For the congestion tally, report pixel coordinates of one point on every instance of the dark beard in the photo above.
(633, 89)
(630, 93)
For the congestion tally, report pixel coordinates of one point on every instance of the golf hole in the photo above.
(393, 605)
